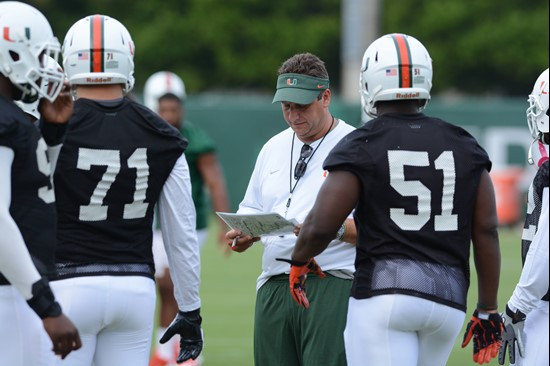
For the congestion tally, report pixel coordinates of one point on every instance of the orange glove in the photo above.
(297, 278)
(486, 330)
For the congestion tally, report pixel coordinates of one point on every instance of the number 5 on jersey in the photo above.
(96, 210)
(413, 188)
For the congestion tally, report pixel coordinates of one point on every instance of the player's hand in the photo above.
(63, 334)
(512, 335)
(239, 243)
(298, 276)
(188, 326)
(61, 109)
(485, 329)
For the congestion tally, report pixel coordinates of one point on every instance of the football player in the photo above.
(165, 94)
(119, 160)
(526, 315)
(421, 191)
(27, 211)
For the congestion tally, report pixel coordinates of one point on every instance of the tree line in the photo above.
(478, 47)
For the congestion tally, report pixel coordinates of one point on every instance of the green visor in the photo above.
(298, 88)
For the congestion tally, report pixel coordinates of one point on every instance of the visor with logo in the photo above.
(299, 88)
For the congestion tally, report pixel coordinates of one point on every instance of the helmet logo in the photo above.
(7, 34)
(407, 95)
(291, 82)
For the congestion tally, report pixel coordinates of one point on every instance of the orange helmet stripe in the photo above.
(404, 58)
(96, 43)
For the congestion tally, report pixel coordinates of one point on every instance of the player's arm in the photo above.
(15, 261)
(533, 283)
(532, 286)
(17, 266)
(485, 326)
(336, 199)
(177, 221)
(212, 175)
(486, 244)
(54, 117)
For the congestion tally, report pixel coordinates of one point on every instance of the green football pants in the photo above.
(286, 334)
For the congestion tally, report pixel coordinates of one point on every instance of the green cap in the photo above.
(299, 88)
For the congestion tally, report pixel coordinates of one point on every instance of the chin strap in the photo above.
(542, 150)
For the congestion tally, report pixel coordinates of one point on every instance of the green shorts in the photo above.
(286, 334)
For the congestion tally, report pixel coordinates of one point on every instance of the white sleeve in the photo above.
(252, 202)
(53, 154)
(533, 283)
(177, 219)
(15, 261)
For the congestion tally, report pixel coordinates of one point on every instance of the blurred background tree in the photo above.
(478, 47)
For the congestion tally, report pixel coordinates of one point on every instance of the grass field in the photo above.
(228, 297)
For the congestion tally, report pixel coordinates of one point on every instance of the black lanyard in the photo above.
(293, 187)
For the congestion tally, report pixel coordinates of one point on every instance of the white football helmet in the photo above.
(162, 83)
(32, 107)
(98, 50)
(395, 67)
(537, 113)
(26, 43)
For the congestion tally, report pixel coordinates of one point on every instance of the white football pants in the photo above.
(400, 330)
(23, 340)
(535, 338)
(114, 316)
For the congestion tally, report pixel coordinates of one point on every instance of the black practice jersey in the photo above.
(419, 177)
(534, 208)
(115, 159)
(32, 198)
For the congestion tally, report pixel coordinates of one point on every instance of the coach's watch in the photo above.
(341, 232)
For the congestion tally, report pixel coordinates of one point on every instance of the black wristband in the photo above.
(43, 301)
(192, 315)
(292, 262)
(484, 307)
(52, 133)
(517, 317)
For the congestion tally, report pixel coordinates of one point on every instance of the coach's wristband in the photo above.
(43, 301)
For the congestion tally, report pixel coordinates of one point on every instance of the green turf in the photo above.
(228, 296)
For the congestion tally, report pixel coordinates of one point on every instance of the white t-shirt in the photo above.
(269, 190)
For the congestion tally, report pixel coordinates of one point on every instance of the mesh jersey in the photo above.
(199, 144)
(419, 178)
(111, 169)
(534, 208)
(32, 199)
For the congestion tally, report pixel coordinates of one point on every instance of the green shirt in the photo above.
(199, 144)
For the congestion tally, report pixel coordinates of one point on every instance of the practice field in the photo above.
(228, 296)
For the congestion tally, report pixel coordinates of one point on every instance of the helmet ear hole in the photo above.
(376, 57)
(14, 56)
(367, 86)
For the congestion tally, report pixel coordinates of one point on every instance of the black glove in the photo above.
(485, 329)
(188, 326)
(512, 335)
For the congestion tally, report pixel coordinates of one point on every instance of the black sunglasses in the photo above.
(301, 164)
